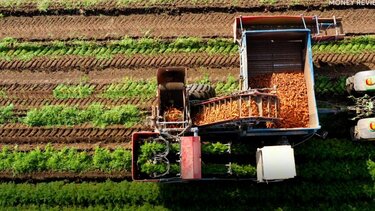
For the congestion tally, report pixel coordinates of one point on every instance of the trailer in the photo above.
(268, 115)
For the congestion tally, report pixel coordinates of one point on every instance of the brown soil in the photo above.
(199, 60)
(24, 104)
(21, 134)
(59, 146)
(146, 6)
(86, 64)
(212, 24)
(31, 81)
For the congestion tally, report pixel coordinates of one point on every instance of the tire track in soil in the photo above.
(212, 24)
(21, 134)
(86, 64)
(58, 146)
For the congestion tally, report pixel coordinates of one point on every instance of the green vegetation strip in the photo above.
(144, 89)
(207, 194)
(338, 149)
(64, 91)
(353, 45)
(65, 160)
(327, 86)
(11, 49)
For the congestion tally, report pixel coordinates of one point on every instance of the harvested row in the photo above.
(25, 147)
(21, 134)
(355, 21)
(86, 64)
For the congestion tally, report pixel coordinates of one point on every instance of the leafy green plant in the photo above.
(371, 168)
(63, 91)
(6, 113)
(131, 88)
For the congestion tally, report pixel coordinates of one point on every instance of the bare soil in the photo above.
(206, 24)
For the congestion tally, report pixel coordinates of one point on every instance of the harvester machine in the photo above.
(361, 88)
(248, 134)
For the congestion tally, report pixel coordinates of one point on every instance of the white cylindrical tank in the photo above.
(364, 81)
(365, 129)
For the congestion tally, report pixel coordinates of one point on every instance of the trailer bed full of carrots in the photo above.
(292, 94)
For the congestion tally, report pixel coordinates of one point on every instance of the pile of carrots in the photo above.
(231, 111)
(173, 115)
(292, 94)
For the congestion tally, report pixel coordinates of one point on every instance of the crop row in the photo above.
(55, 115)
(149, 149)
(182, 195)
(12, 49)
(339, 149)
(67, 159)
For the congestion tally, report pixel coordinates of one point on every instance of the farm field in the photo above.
(78, 77)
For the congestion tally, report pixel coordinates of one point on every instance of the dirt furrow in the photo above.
(24, 104)
(20, 134)
(212, 24)
(198, 60)
(58, 146)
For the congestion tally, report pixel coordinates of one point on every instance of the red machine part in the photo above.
(191, 164)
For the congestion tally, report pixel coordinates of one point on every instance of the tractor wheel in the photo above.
(200, 91)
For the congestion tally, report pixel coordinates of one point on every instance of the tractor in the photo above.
(245, 135)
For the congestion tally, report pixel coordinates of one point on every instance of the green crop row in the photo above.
(353, 45)
(326, 86)
(95, 114)
(65, 160)
(339, 149)
(12, 49)
(63, 91)
(183, 195)
(117, 207)
(151, 148)
(131, 88)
